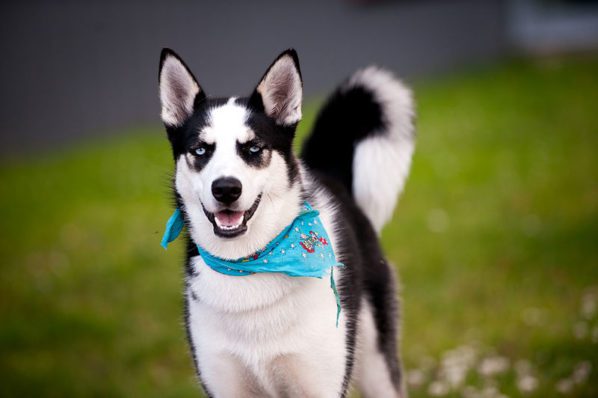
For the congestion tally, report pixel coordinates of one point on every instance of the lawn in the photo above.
(495, 239)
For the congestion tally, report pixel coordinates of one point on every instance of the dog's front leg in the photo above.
(296, 377)
(226, 376)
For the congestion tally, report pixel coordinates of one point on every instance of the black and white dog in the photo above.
(238, 184)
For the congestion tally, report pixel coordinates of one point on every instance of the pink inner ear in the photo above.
(178, 90)
(280, 94)
(281, 91)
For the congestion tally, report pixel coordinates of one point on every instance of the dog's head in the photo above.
(236, 175)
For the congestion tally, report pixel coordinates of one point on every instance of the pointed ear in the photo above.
(179, 89)
(280, 91)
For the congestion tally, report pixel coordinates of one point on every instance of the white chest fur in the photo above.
(256, 320)
(269, 328)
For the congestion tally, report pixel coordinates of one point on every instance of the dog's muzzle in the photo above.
(229, 223)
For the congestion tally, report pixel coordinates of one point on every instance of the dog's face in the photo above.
(235, 171)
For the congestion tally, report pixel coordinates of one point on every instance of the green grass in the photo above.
(495, 240)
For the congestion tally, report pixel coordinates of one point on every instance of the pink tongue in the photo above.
(229, 218)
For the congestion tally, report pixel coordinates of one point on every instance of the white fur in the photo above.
(178, 89)
(279, 203)
(381, 162)
(371, 370)
(267, 325)
(282, 91)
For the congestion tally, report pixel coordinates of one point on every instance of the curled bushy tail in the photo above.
(364, 137)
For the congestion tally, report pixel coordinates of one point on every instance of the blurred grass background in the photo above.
(495, 239)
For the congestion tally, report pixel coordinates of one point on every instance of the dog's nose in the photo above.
(226, 189)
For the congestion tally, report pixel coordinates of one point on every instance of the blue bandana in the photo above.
(301, 249)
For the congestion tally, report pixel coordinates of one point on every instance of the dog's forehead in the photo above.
(227, 122)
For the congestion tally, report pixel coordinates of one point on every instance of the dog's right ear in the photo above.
(179, 90)
(280, 92)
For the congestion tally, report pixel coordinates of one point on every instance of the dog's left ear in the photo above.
(280, 92)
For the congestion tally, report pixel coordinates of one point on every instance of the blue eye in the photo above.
(200, 151)
(254, 149)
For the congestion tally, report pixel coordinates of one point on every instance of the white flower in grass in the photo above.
(487, 392)
(564, 386)
(493, 365)
(527, 383)
(416, 377)
(581, 372)
(490, 392)
(455, 375)
(580, 375)
(438, 388)
(470, 392)
(456, 364)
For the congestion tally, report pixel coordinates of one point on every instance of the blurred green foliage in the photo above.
(495, 240)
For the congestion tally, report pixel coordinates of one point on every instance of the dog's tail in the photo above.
(364, 137)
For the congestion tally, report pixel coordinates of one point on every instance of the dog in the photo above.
(237, 184)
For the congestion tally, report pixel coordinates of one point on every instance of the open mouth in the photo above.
(230, 223)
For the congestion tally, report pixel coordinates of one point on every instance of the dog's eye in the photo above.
(254, 149)
(200, 151)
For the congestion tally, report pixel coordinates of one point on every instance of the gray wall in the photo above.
(76, 68)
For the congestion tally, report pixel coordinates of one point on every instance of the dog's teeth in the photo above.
(229, 227)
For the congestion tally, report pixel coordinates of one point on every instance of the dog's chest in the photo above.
(262, 315)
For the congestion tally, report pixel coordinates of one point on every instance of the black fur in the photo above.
(270, 135)
(276, 137)
(366, 274)
(350, 285)
(369, 273)
(191, 251)
(259, 159)
(348, 117)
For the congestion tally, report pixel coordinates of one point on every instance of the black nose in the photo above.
(226, 189)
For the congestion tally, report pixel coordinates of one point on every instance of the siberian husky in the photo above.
(238, 184)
